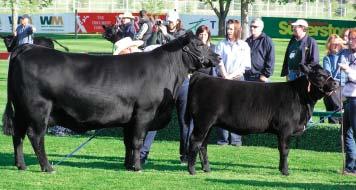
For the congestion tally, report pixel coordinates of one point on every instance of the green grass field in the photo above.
(315, 165)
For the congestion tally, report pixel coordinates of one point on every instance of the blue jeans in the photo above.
(294, 74)
(223, 137)
(350, 136)
(185, 131)
(223, 134)
(147, 143)
(184, 128)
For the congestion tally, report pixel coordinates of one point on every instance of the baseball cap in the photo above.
(25, 16)
(300, 22)
(173, 16)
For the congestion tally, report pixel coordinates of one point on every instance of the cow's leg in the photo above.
(204, 154)
(37, 141)
(137, 142)
(283, 147)
(37, 130)
(19, 135)
(128, 147)
(196, 140)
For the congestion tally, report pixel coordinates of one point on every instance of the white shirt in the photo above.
(235, 56)
(350, 86)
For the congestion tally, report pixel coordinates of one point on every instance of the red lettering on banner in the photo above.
(92, 22)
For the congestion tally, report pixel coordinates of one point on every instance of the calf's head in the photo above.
(196, 53)
(321, 81)
(112, 33)
(10, 42)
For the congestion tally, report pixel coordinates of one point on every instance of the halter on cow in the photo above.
(85, 92)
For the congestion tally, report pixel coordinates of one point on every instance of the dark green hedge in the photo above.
(323, 137)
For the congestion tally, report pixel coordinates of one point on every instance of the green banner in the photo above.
(319, 29)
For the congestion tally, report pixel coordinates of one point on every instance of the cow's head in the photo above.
(10, 42)
(321, 81)
(113, 33)
(196, 53)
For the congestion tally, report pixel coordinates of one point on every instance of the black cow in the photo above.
(10, 42)
(250, 107)
(112, 33)
(85, 92)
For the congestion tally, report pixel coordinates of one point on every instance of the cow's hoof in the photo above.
(21, 167)
(207, 169)
(191, 171)
(48, 169)
(285, 173)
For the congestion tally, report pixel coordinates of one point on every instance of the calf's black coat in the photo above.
(252, 107)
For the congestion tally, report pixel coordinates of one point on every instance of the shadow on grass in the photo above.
(117, 164)
(264, 184)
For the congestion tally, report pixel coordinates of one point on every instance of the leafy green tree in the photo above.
(153, 6)
(26, 6)
(223, 8)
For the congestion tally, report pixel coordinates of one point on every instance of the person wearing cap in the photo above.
(145, 26)
(127, 45)
(262, 52)
(348, 65)
(334, 46)
(302, 49)
(24, 32)
(127, 26)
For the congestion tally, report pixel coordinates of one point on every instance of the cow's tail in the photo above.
(192, 81)
(64, 47)
(9, 114)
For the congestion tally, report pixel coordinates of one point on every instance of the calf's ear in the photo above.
(304, 68)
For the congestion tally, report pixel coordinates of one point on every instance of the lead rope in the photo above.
(342, 131)
(78, 148)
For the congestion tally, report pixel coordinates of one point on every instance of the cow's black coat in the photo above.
(251, 107)
(84, 92)
(10, 42)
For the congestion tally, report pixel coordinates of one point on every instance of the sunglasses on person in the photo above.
(253, 26)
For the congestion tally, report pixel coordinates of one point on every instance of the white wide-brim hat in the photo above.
(127, 15)
(172, 16)
(126, 43)
(300, 22)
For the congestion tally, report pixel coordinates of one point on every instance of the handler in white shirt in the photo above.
(236, 58)
(235, 53)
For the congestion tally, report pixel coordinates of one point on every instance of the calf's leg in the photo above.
(128, 148)
(283, 143)
(203, 153)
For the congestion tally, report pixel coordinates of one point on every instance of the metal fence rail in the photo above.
(316, 9)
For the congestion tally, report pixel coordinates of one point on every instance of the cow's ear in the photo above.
(190, 33)
(305, 68)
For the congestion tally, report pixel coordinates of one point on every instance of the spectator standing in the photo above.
(169, 33)
(24, 32)
(128, 27)
(203, 33)
(236, 58)
(334, 47)
(146, 26)
(345, 36)
(262, 52)
(348, 65)
(302, 49)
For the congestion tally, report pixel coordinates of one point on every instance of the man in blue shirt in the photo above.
(24, 31)
(262, 53)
